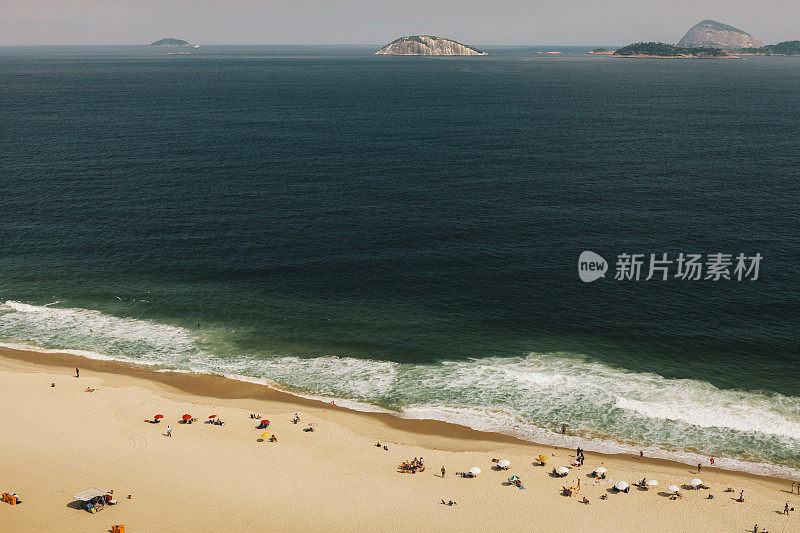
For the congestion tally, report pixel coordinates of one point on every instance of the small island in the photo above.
(785, 48)
(670, 51)
(600, 52)
(427, 45)
(170, 42)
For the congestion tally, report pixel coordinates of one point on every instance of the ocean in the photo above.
(403, 233)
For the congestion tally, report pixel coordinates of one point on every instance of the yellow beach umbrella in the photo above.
(265, 435)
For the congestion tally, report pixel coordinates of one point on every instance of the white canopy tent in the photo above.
(87, 495)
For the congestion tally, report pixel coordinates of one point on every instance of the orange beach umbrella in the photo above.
(158, 417)
(187, 417)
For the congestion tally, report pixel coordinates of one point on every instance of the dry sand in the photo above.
(58, 441)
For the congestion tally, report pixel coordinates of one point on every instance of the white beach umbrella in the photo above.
(673, 488)
(695, 482)
(503, 463)
(600, 470)
(651, 483)
(563, 470)
(620, 485)
(474, 470)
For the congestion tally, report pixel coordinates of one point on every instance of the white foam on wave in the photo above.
(528, 396)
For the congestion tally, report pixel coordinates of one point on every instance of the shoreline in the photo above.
(225, 388)
(61, 440)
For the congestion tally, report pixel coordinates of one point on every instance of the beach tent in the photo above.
(695, 482)
(673, 488)
(503, 463)
(620, 485)
(474, 470)
(512, 479)
(651, 483)
(87, 495)
(563, 470)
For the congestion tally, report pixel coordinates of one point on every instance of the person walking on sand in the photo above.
(442, 472)
(77, 372)
(699, 467)
(641, 454)
(169, 431)
(786, 508)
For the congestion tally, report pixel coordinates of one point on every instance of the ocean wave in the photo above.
(608, 409)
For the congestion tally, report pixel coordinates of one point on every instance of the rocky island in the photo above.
(713, 34)
(427, 45)
(170, 42)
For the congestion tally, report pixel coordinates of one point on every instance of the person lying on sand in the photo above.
(89, 389)
(585, 500)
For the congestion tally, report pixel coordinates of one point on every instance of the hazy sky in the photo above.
(478, 22)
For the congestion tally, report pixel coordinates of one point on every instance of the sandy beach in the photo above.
(58, 441)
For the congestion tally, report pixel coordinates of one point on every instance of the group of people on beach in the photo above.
(413, 466)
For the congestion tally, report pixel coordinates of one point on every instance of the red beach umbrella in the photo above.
(158, 417)
(187, 417)
(212, 416)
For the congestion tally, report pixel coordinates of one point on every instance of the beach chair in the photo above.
(10, 499)
(119, 528)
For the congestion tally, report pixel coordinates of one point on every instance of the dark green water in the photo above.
(404, 232)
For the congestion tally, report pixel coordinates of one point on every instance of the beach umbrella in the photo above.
(651, 483)
(600, 470)
(265, 435)
(673, 488)
(212, 416)
(513, 478)
(187, 417)
(695, 482)
(158, 417)
(474, 470)
(563, 470)
(543, 458)
(620, 485)
(503, 463)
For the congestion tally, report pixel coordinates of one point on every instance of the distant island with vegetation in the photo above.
(170, 42)
(600, 51)
(785, 48)
(664, 50)
(427, 45)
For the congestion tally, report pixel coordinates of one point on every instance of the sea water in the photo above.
(403, 233)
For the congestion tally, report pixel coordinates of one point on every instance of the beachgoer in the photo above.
(712, 461)
(579, 484)
(169, 431)
(385, 447)
(563, 430)
(585, 500)
(442, 472)
(641, 455)
(378, 445)
(699, 467)
(77, 373)
(786, 508)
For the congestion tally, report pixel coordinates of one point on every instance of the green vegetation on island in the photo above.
(785, 48)
(667, 50)
(599, 50)
(170, 42)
